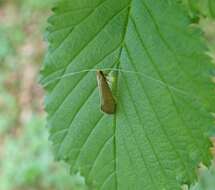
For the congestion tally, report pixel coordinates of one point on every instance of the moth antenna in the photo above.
(117, 70)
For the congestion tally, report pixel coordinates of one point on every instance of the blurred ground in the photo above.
(25, 158)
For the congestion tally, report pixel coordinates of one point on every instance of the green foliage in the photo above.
(5, 45)
(29, 165)
(8, 110)
(207, 180)
(201, 7)
(39, 4)
(159, 133)
(11, 37)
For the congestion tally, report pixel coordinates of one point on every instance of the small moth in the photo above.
(108, 104)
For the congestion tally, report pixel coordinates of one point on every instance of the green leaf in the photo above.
(159, 133)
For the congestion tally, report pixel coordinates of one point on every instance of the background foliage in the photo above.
(204, 8)
(25, 157)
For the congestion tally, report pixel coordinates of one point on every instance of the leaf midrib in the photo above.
(116, 87)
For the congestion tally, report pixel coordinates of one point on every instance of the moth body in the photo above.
(108, 104)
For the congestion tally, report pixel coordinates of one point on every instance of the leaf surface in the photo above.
(159, 132)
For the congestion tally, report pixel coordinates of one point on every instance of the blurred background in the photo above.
(26, 161)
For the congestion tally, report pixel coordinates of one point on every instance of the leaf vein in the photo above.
(99, 153)
(93, 38)
(87, 138)
(135, 140)
(77, 112)
(168, 89)
(156, 115)
(82, 20)
(109, 177)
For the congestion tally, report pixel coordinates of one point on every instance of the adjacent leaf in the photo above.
(207, 179)
(203, 7)
(159, 133)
